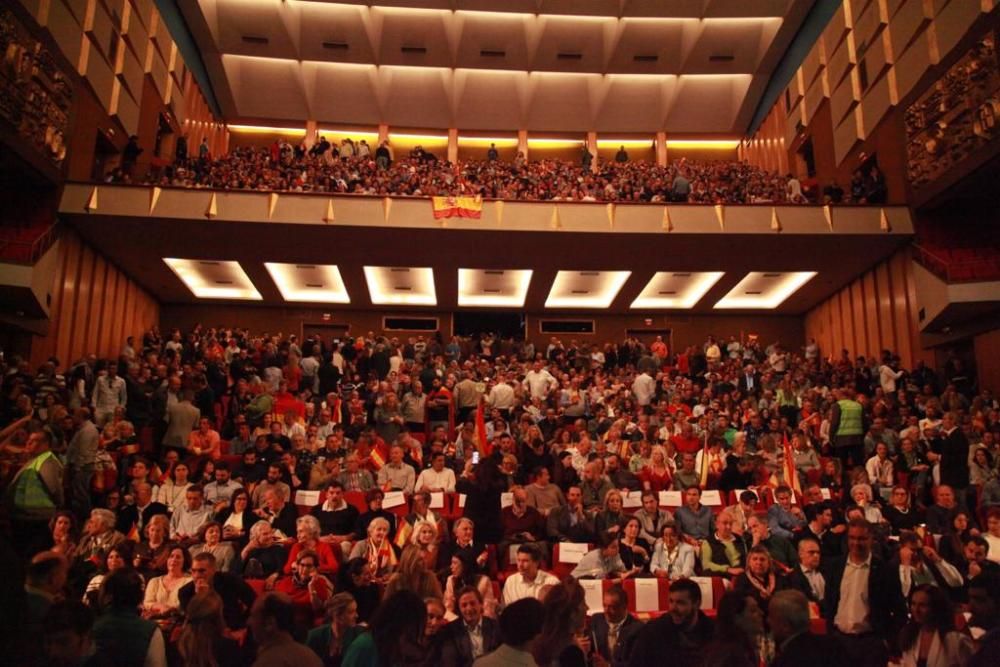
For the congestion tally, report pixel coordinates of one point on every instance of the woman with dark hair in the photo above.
(633, 549)
(202, 642)
(463, 573)
(952, 546)
(63, 530)
(929, 639)
(238, 518)
(739, 628)
(118, 557)
(355, 577)
(565, 475)
(161, 598)
(397, 629)
(565, 614)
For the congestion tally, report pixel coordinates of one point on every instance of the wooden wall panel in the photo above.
(94, 307)
(873, 313)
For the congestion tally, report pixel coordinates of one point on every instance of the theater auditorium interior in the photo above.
(556, 333)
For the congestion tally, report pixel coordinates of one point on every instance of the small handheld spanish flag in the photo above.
(703, 482)
(484, 446)
(790, 473)
(403, 533)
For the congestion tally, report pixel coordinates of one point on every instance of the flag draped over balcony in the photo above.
(457, 207)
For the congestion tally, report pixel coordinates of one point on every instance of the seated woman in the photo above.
(374, 499)
(413, 575)
(377, 550)
(861, 494)
(161, 592)
(118, 557)
(151, 554)
(62, 529)
(900, 515)
(308, 589)
(210, 540)
(463, 573)
(723, 552)
(355, 577)
(739, 628)
(672, 558)
(263, 555)
(633, 549)
(331, 640)
(657, 475)
(609, 518)
(930, 639)
(237, 519)
(425, 539)
(307, 539)
(758, 580)
(604, 562)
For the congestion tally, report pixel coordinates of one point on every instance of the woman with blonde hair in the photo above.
(331, 640)
(610, 517)
(413, 575)
(658, 475)
(202, 642)
(425, 539)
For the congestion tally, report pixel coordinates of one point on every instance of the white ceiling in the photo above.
(496, 288)
(685, 66)
(667, 289)
(214, 279)
(765, 290)
(401, 286)
(308, 283)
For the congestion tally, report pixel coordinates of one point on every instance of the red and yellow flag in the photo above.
(403, 534)
(790, 473)
(703, 482)
(484, 446)
(457, 207)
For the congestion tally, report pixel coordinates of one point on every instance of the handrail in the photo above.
(31, 251)
(957, 271)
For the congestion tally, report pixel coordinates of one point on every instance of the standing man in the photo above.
(848, 429)
(81, 456)
(35, 493)
(109, 393)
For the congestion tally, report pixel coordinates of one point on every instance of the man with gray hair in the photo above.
(788, 618)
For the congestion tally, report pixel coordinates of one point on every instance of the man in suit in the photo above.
(614, 631)
(139, 513)
(470, 636)
(807, 577)
(749, 384)
(569, 523)
(788, 618)
(863, 622)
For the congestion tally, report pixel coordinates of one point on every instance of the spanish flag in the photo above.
(705, 467)
(403, 534)
(484, 446)
(790, 473)
(457, 207)
(378, 456)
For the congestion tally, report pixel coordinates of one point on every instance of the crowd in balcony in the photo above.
(354, 168)
(223, 497)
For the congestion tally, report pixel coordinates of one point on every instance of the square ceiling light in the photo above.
(214, 279)
(765, 290)
(401, 286)
(314, 283)
(585, 289)
(669, 289)
(499, 288)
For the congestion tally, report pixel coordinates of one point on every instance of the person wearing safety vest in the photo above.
(35, 493)
(847, 430)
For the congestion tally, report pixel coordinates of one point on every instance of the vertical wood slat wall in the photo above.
(875, 312)
(94, 308)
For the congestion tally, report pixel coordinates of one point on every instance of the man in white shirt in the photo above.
(644, 388)
(109, 393)
(437, 477)
(539, 382)
(529, 580)
(502, 397)
(185, 522)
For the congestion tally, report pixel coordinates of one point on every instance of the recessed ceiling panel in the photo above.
(586, 289)
(313, 283)
(668, 289)
(401, 286)
(765, 290)
(214, 279)
(499, 288)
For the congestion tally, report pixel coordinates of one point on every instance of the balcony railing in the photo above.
(942, 263)
(26, 248)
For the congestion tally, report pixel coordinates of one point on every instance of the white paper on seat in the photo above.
(393, 499)
(506, 500)
(572, 552)
(707, 591)
(512, 553)
(632, 499)
(670, 498)
(593, 594)
(461, 500)
(647, 595)
(307, 498)
(437, 500)
(826, 494)
(711, 498)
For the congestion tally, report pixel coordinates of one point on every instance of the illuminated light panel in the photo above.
(314, 283)
(765, 289)
(585, 289)
(706, 144)
(627, 143)
(263, 129)
(687, 289)
(401, 286)
(507, 288)
(214, 279)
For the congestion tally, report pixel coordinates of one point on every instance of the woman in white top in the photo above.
(930, 638)
(161, 592)
(173, 492)
(992, 534)
(672, 558)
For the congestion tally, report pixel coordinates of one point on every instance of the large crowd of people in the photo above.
(354, 169)
(227, 497)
